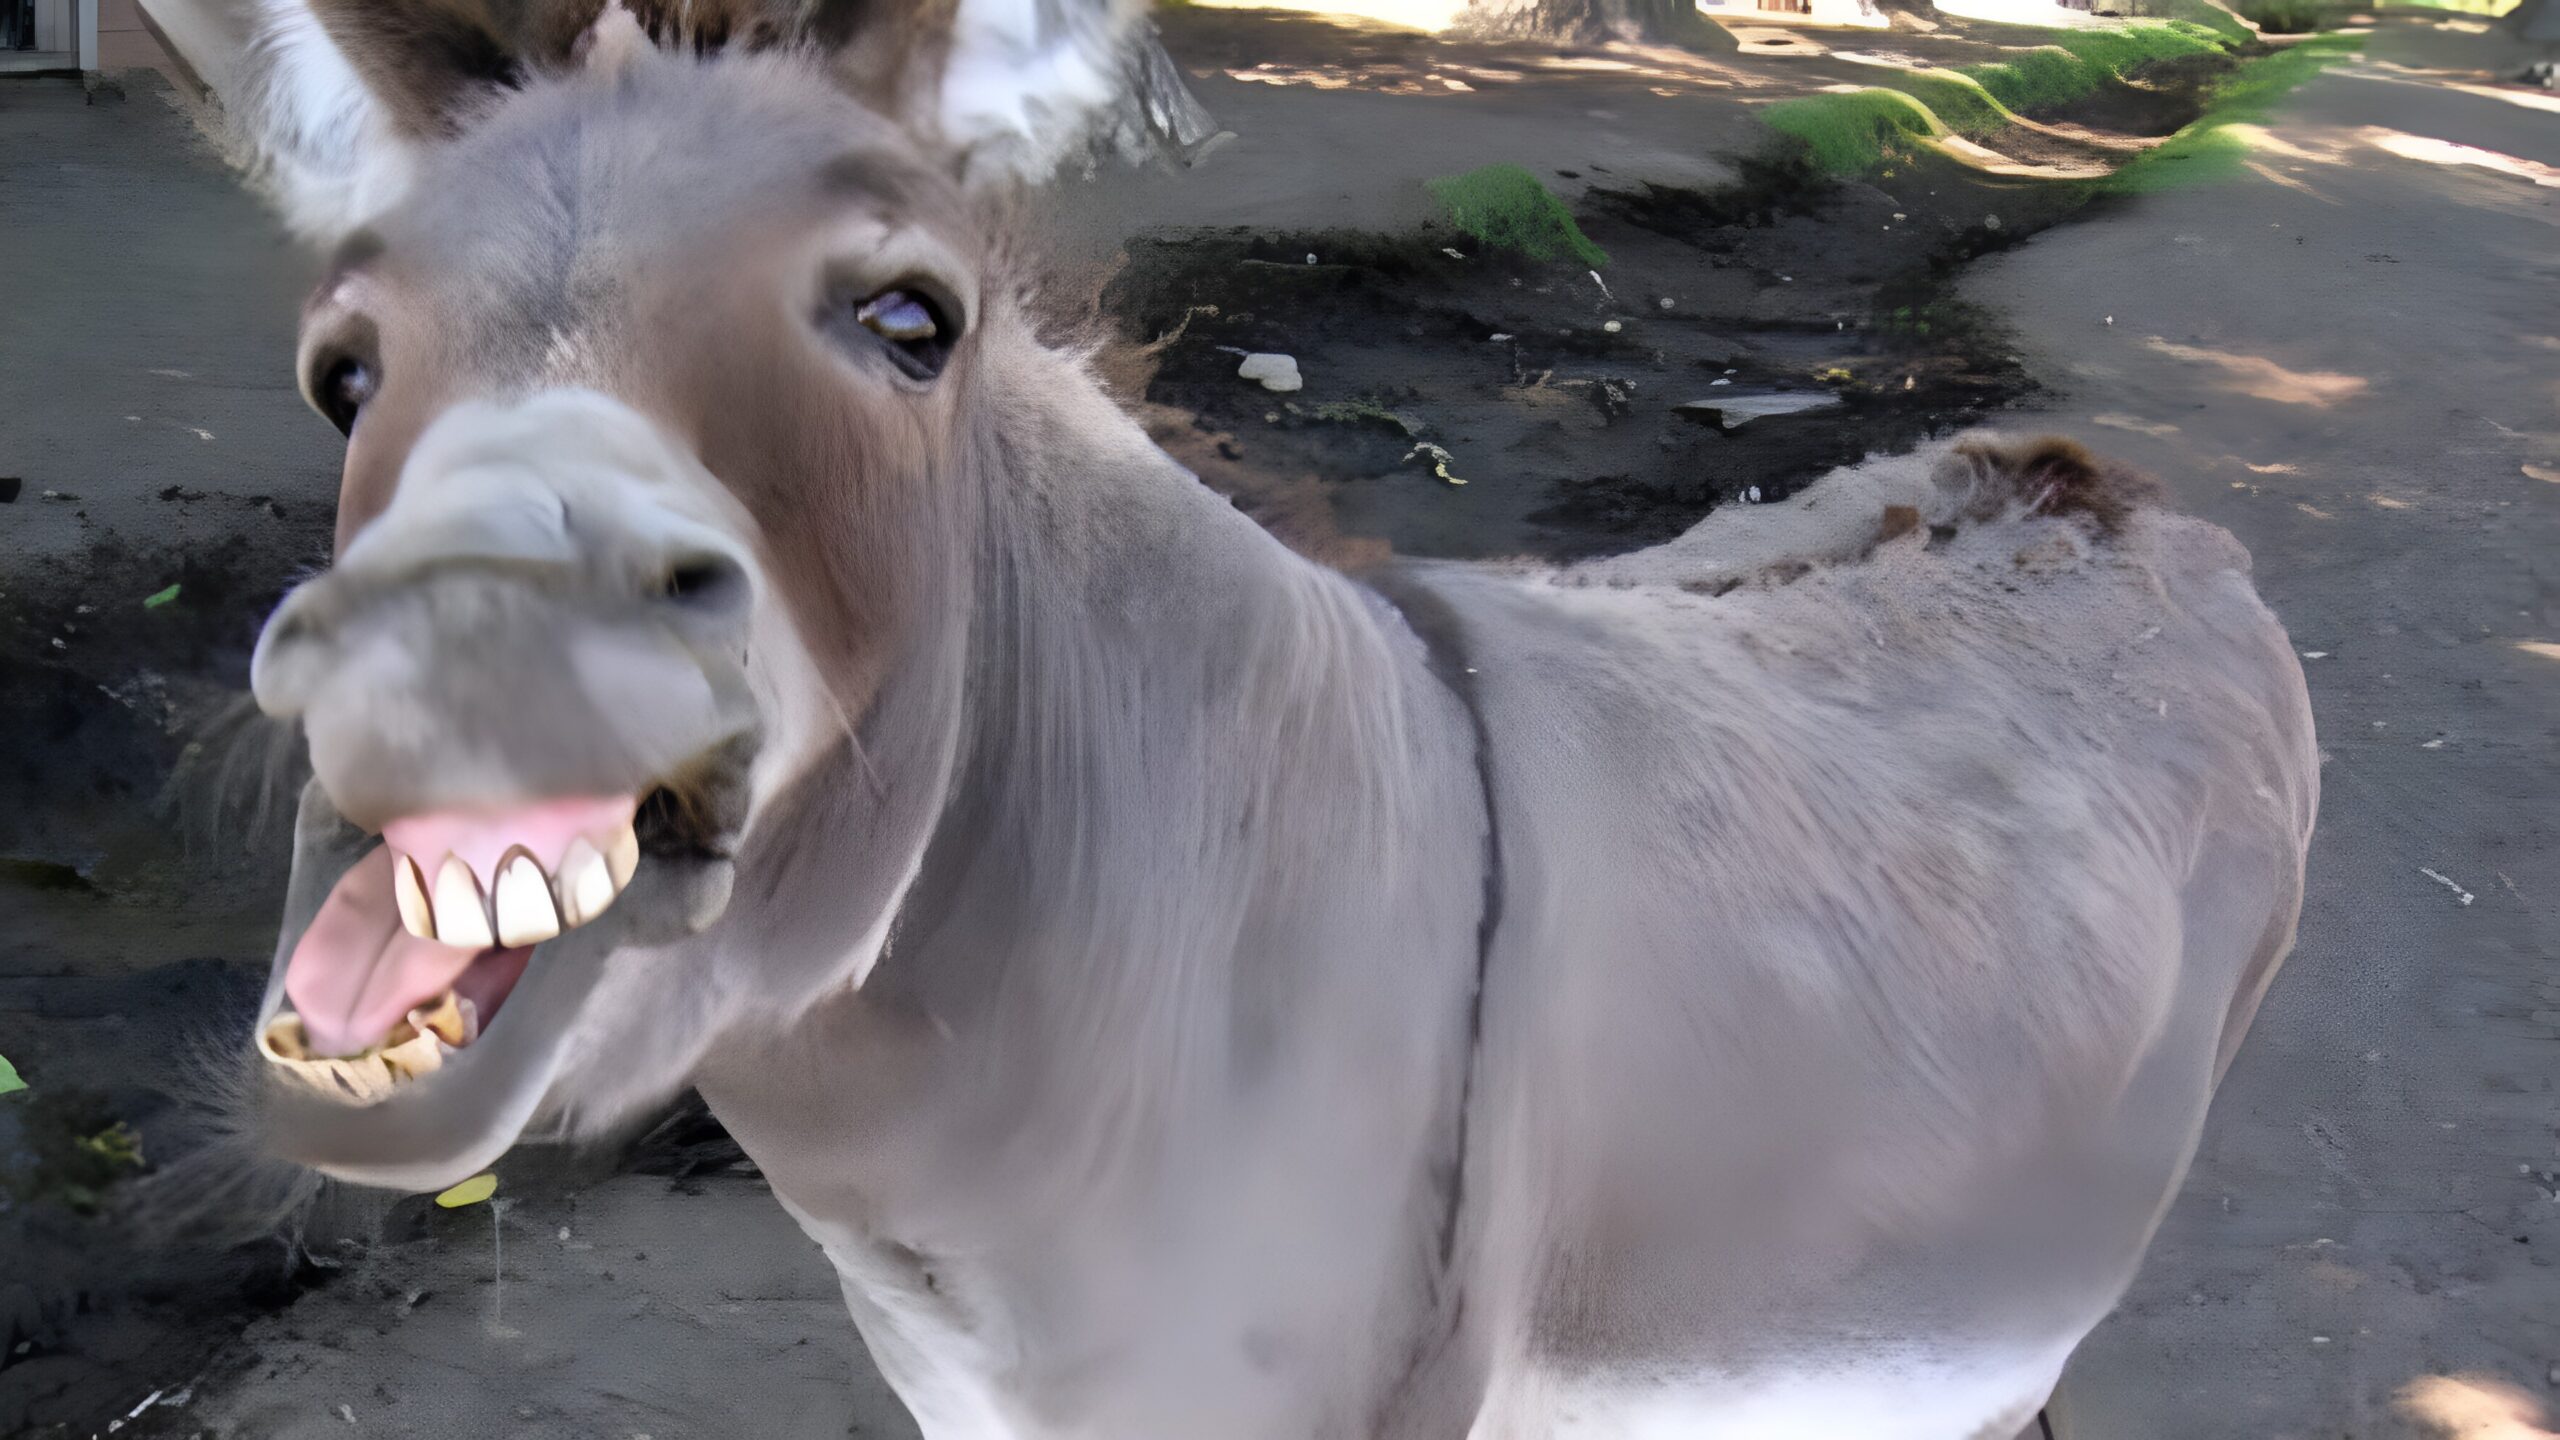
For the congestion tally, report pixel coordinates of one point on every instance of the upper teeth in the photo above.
(521, 904)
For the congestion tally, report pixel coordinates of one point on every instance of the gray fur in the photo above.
(1791, 963)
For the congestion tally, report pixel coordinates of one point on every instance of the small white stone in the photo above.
(1613, 327)
(1666, 302)
(1275, 372)
(1311, 257)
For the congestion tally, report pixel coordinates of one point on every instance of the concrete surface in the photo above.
(2350, 358)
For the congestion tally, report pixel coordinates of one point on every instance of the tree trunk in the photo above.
(1581, 22)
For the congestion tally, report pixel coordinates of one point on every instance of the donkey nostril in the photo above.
(703, 582)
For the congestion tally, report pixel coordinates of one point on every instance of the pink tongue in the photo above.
(356, 973)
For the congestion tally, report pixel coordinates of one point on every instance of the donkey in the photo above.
(1765, 986)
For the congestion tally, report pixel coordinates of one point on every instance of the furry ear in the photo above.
(1024, 80)
(1013, 88)
(295, 116)
(324, 101)
(428, 61)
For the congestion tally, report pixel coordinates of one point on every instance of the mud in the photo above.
(1555, 393)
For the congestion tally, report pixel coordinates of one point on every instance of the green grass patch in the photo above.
(1505, 208)
(2078, 63)
(2212, 19)
(2205, 149)
(1957, 99)
(1855, 130)
(2286, 17)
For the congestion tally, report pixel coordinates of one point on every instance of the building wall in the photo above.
(124, 41)
(54, 26)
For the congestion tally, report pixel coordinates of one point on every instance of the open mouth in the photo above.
(417, 947)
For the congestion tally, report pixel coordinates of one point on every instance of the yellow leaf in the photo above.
(469, 1192)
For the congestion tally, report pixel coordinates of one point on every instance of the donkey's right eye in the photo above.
(912, 327)
(345, 385)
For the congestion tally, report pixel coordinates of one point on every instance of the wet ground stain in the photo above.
(1568, 401)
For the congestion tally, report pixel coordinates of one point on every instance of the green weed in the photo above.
(2286, 17)
(1857, 130)
(2205, 149)
(1504, 207)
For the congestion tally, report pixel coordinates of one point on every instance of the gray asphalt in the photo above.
(2375, 1201)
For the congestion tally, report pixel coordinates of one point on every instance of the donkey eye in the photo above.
(344, 387)
(911, 326)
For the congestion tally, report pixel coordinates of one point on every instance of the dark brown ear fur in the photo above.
(429, 61)
(2052, 476)
(426, 61)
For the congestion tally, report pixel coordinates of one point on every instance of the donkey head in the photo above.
(658, 339)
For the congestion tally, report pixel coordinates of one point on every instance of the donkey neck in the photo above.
(1213, 836)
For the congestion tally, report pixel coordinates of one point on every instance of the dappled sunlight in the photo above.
(1846, 14)
(2475, 1407)
(1770, 40)
(2258, 376)
(2158, 430)
(2389, 503)
(2387, 73)
(2447, 152)
(2543, 648)
(2048, 13)
(1431, 15)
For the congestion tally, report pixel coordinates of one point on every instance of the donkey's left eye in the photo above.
(911, 327)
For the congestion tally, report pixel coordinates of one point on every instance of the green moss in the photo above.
(1365, 410)
(1958, 100)
(2206, 150)
(1855, 130)
(1505, 208)
(2210, 21)
(2077, 63)
(2286, 17)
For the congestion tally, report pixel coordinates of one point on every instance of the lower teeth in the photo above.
(415, 1047)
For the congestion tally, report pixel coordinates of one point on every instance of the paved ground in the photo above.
(2349, 358)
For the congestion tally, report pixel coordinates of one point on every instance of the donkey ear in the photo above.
(1024, 84)
(425, 62)
(324, 100)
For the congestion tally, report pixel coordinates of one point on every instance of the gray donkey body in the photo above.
(1768, 985)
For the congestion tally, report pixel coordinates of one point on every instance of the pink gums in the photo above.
(357, 972)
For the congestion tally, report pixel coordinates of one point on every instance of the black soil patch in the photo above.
(1558, 397)
(127, 944)
(2157, 98)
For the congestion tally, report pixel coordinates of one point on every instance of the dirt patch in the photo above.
(1575, 407)
(2153, 99)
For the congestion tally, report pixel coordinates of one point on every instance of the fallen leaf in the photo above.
(9, 1080)
(159, 598)
(469, 1192)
